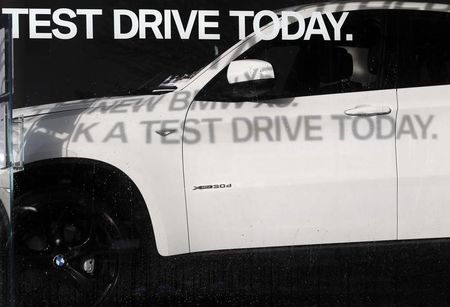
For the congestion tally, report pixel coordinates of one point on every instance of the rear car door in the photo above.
(423, 134)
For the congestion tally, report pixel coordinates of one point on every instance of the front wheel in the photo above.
(70, 249)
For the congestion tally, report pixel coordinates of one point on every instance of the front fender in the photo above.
(123, 141)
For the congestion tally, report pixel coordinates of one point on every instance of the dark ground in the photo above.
(384, 274)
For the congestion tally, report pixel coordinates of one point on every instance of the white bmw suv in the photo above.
(275, 143)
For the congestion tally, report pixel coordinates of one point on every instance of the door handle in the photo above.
(368, 110)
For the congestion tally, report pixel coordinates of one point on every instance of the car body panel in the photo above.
(121, 132)
(296, 178)
(423, 164)
(105, 133)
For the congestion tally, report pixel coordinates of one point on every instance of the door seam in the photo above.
(184, 176)
(396, 160)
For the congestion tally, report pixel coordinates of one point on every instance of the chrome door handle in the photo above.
(368, 110)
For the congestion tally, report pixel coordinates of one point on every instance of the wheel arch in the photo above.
(76, 170)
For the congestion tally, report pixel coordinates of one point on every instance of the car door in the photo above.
(423, 136)
(308, 159)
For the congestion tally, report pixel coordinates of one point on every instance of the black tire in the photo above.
(76, 247)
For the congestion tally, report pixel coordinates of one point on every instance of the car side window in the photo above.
(425, 49)
(317, 66)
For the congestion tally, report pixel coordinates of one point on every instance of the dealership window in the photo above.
(318, 66)
(425, 49)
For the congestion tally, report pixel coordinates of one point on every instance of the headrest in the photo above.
(336, 65)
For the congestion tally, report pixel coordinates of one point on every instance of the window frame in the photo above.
(390, 21)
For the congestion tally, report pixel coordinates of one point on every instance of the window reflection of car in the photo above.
(116, 175)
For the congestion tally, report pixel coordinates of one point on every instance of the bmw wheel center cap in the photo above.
(59, 261)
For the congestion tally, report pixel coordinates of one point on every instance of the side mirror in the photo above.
(249, 70)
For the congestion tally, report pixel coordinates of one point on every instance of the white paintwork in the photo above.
(424, 165)
(249, 70)
(155, 168)
(312, 189)
(349, 184)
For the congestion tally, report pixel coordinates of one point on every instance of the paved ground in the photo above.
(410, 274)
